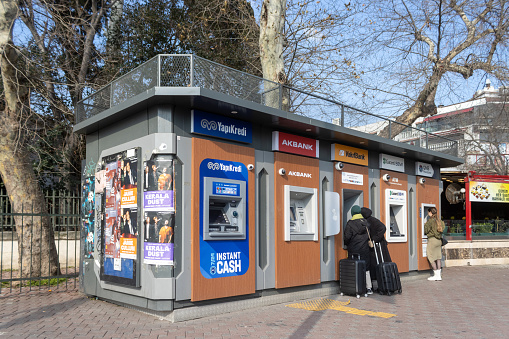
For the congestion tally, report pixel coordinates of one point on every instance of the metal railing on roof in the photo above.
(192, 71)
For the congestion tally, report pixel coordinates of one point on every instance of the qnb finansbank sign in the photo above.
(294, 144)
(219, 126)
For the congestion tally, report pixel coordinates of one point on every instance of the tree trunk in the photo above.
(272, 24)
(423, 106)
(36, 243)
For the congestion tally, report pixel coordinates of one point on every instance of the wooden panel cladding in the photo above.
(398, 251)
(297, 262)
(427, 193)
(203, 288)
(339, 186)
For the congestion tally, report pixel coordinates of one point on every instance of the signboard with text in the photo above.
(349, 154)
(489, 192)
(294, 144)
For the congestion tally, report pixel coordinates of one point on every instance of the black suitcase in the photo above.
(352, 276)
(387, 274)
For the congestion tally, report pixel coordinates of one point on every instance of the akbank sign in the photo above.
(219, 126)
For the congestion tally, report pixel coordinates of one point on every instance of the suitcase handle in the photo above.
(356, 254)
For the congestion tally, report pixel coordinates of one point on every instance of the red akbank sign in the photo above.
(295, 144)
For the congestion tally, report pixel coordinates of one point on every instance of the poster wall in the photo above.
(159, 210)
(120, 221)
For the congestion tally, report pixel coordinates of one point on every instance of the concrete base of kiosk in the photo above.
(188, 310)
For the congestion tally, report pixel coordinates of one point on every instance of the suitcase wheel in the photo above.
(358, 296)
(366, 295)
(341, 294)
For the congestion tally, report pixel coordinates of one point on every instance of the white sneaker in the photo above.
(370, 291)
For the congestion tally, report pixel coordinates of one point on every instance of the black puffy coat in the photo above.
(356, 238)
(377, 231)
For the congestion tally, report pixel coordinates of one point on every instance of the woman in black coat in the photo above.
(377, 231)
(356, 239)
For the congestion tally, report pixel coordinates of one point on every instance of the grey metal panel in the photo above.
(92, 152)
(123, 131)
(327, 253)
(374, 195)
(183, 278)
(90, 281)
(160, 118)
(265, 276)
(413, 253)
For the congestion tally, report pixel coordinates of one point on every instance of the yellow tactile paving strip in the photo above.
(329, 304)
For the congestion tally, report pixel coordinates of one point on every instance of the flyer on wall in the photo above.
(159, 210)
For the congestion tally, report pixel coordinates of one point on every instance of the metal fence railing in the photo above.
(25, 265)
(193, 71)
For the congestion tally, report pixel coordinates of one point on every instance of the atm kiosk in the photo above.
(245, 218)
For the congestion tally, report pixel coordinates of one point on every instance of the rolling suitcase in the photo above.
(352, 276)
(387, 274)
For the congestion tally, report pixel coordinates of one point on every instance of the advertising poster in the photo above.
(159, 209)
(120, 225)
(159, 232)
(158, 184)
(88, 217)
(489, 192)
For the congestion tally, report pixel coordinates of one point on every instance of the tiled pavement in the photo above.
(471, 302)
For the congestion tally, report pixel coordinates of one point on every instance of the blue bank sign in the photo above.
(219, 126)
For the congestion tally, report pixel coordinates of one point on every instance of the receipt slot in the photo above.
(396, 215)
(224, 209)
(301, 217)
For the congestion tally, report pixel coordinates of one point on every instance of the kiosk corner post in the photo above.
(468, 210)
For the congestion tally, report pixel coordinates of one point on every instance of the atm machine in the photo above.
(224, 209)
(396, 215)
(301, 214)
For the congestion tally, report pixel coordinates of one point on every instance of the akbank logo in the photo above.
(209, 125)
(341, 153)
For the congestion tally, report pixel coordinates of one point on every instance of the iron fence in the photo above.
(30, 267)
(193, 71)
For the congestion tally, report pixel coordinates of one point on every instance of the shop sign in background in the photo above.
(489, 192)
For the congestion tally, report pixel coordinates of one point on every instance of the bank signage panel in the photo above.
(349, 154)
(219, 126)
(392, 163)
(424, 169)
(294, 144)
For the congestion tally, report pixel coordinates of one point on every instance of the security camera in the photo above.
(339, 166)
(386, 177)
(250, 167)
(422, 181)
(282, 171)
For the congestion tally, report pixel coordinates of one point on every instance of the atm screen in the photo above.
(216, 216)
(394, 224)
